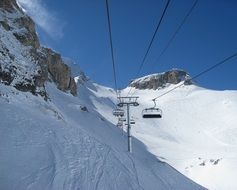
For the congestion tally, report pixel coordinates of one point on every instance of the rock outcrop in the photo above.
(24, 64)
(52, 65)
(27, 35)
(9, 5)
(161, 80)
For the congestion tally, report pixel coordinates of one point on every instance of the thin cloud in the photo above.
(43, 17)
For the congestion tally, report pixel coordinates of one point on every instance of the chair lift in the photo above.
(118, 112)
(122, 119)
(152, 112)
(132, 121)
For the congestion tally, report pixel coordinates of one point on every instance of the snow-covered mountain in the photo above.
(161, 80)
(57, 130)
(197, 134)
(52, 138)
(71, 143)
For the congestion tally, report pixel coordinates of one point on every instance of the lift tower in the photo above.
(128, 101)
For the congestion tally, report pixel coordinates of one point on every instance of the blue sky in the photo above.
(78, 29)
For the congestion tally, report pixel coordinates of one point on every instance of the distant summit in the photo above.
(161, 80)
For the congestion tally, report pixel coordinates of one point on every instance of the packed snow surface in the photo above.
(197, 134)
(72, 143)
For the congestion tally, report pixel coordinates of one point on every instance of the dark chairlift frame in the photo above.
(153, 112)
(118, 112)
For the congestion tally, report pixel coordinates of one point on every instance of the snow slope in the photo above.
(60, 144)
(197, 134)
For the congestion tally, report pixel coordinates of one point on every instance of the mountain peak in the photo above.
(161, 80)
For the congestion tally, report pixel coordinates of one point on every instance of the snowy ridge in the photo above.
(161, 80)
(147, 77)
(154, 75)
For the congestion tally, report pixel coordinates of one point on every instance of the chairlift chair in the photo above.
(122, 119)
(118, 112)
(132, 121)
(152, 112)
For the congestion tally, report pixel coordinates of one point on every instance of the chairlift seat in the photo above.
(152, 113)
(122, 119)
(118, 112)
(132, 121)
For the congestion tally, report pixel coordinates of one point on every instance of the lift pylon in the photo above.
(128, 101)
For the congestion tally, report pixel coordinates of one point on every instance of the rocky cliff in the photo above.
(161, 80)
(24, 64)
(9, 5)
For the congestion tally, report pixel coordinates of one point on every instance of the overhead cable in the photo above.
(111, 47)
(199, 74)
(176, 32)
(151, 41)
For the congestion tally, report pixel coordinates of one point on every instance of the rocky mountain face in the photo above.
(8, 5)
(161, 80)
(24, 64)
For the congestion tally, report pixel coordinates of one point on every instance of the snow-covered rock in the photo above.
(24, 64)
(77, 73)
(161, 80)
